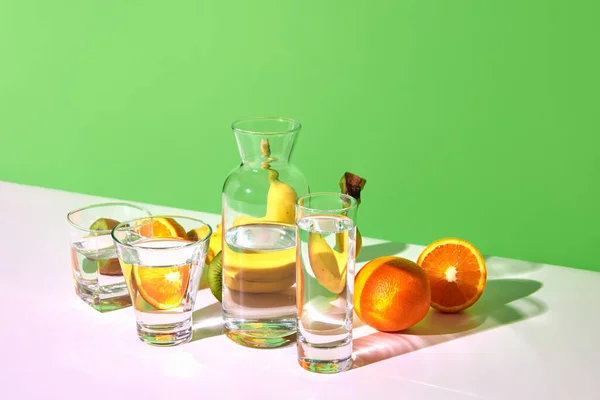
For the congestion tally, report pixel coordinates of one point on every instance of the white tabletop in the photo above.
(532, 335)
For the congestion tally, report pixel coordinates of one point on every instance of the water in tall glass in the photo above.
(325, 282)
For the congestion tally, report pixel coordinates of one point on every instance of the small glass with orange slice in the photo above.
(162, 258)
(97, 275)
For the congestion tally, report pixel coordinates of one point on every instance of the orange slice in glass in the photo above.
(162, 288)
(456, 272)
(162, 228)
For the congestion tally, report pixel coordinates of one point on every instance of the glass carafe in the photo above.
(259, 240)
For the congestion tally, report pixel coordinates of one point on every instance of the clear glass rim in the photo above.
(173, 216)
(351, 200)
(296, 126)
(99, 205)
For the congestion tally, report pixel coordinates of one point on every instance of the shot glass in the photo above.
(162, 258)
(326, 243)
(97, 275)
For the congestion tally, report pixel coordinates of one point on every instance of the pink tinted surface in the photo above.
(533, 334)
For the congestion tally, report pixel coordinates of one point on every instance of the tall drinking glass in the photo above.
(326, 247)
(162, 258)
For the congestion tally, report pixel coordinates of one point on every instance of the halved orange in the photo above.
(162, 227)
(456, 272)
(162, 288)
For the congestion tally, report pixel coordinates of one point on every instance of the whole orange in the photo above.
(391, 294)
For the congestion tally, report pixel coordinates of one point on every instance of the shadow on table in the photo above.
(492, 310)
(367, 253)
(498, 267)
(209, 322)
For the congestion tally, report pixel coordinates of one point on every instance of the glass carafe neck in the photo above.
(258, 148)
(266, 139)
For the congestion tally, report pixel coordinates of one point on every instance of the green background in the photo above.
(476, 119)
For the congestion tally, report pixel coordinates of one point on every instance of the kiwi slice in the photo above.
(89, 266)
(104, 224)
(215, 280)
(104, 267)
(109, 267)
